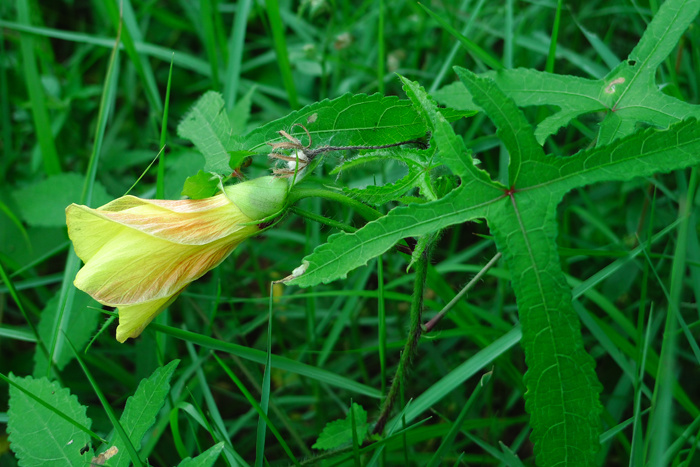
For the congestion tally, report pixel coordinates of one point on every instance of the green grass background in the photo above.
(54, 59)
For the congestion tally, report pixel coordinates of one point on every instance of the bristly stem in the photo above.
(311, 153)
(411, 345)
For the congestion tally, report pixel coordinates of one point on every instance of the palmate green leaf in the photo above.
(628, 95)
(472, 199)
(38, 436)
(141, 410)
(208, 127)
(638, 155)
(572, 95)
(339, 432)
(348, 120)
(453, 152)
(563, 389)
(513, 129)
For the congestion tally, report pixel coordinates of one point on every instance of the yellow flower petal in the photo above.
(141, 254)
(133, 319)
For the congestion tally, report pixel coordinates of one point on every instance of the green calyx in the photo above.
(259, 198)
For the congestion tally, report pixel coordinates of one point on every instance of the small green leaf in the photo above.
(205, 459)
(43, 204)
(452, 115)
(202, 185)
(378, 195)
(339, 432)
(141, 410)
(37, 436)
(179, 166)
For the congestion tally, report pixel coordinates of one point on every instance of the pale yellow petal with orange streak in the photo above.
(133, 319)
(135, 267)
(193, 222)
(88, 231)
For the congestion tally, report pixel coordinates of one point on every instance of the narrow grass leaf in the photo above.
(40, 112)
(133, 455)
(258, 409)
(277, 361)
(280, 44)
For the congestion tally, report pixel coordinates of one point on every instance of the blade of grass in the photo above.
(209, 40)
(355, 441)
(462, 373)
(262, 413)
(126, 21)
(5, 115)
(637, 447)
(107, 407)
(67, 293)
(551, 56)
(477, 52)
(265, 391)
(17, 333)
(183, 60)
(280, 43)
(381, 328)
(218, 430)
(456, 427)
(381, 52)
(160, 181)
(13, 293)
(35, 89)
(661, 422)
(259, 356)
(446, 66)
(18, 223)
(235, 58)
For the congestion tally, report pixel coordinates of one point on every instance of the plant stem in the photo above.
(436, 319)
(411, 345)
(299, 193)
(365, 211)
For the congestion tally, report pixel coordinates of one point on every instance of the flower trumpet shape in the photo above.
(140, 254)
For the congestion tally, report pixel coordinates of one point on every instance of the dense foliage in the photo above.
(549, 149)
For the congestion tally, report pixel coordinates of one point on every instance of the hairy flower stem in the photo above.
(409, 349)
(363, 210)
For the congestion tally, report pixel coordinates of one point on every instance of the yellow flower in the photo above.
(140, 254)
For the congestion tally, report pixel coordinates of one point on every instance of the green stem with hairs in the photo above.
(365, 211)
(312, 216)
(299, 193)
(411, 345)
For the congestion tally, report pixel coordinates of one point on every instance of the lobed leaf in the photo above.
(339, 432)
(348, 120)
(37, 435)
(208, 127)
